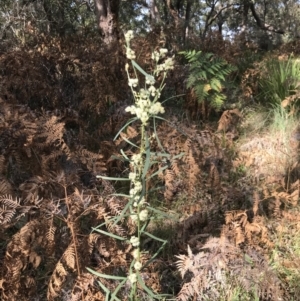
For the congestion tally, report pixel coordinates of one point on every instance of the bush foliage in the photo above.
(207, 77)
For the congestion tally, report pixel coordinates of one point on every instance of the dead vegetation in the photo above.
(58, 115)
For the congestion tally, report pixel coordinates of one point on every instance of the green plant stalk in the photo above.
(146, 106)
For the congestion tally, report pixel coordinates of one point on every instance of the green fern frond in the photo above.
(207, 76)
(216, 85)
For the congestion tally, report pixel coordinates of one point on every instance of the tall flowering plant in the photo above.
(146, 107)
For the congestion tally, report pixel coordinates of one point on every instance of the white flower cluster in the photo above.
(129, 36)
(136, 159)
(157, 55)
(134, 217)
(154, 92)
(132, 278)
(143, 216)
(150, 81)
(134, 241)
(130, 54)
(166, 66)
(137, 188)
(137, 265)
(133, 82)
(138, 201)
(135, 253)
(144, 108)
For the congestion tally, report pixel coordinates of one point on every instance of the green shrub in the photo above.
(207, 76)
(279, 83)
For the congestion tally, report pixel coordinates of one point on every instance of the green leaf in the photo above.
(128, 141)
(158, 171)
(112, 178)
(122, 195)
(106, 290)
(156, 136)
(155, 237)
(162, 214)
(109, 234)
(124, 155)
(117, 157)
(122, 214)
(123, 127)
(137, 66)
(172, 97)
(114, 294)
(105, 276)
(148, 290)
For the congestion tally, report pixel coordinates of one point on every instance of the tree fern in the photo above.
(207, 75)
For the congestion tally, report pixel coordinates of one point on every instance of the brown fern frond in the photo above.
(214, 177)
(185, 263)
(84, 285)
(170, 187)
(85, 200)
(221, 245)
(38, 187)
(256, 201)
(187, 291)
(291, 216)
(265, 238)
(294, 196)
(6, 216)
(205, 138)
(239, 234)
(115, 206)
(50, 235)
(53, 130)
(5, 187)
(9, 201)
(11, 211)
(98, 242)
(196, 219)
(2, 164)
(277, 205)
(99, 210)
(64, 267)
(175, 167)
(250, 229)
(103, 250)
(34, 259)
(236, 216)
(115, 228)
(93, 161)
(56, 281)
(229, 120)
(92, 241)
(193, 164)
(69, 257)
(131, 133)
(22, 254)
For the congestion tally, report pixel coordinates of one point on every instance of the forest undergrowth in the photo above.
(230, 201)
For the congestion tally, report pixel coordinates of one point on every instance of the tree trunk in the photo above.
(187, 20)
(107, 19)
(154, 13)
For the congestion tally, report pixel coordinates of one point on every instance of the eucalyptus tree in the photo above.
(257, 20)
(251, 19)
(107, 18)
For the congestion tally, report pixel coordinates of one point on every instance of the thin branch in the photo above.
(261, 24)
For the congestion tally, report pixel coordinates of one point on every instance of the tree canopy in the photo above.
(275, 21)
